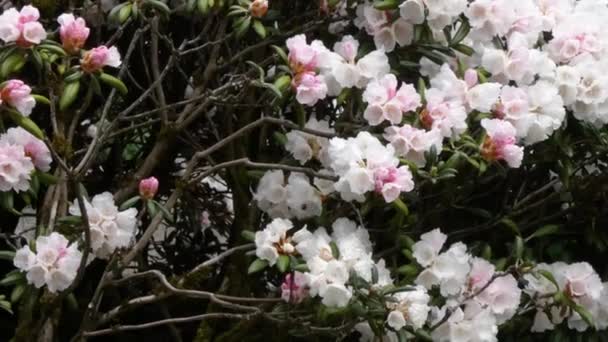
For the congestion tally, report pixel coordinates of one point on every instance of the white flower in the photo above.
(449, 269)
(55, 262)
(427, 249)
(32, 146)
(273, 241)
(502, 296)
(387, 101)
(411, 308)
(446, 114)
(471, 324)
(411, 143)
(336, 295)
(303, 199)
(304, 146)
(483, 97)
(352, 241)
(547, 109)
(15, 168)
(110, 228)
(296, 198)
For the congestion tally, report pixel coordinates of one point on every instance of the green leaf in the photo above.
(124, 13)
(69, 95)
(257, 265)
(549, 277)
(385, 5)
(248, 235)
(17, 293)
(73, 77)
(7, 200)
(462, 33)
(11, 64)
(6, 306)
(518, 250)
(549, 229)
(585, 314)
(41, 99)
(166, 213)
(7, 255)
(25, 123)
(406, 241)
(511, 225)
(113, 82)
(203, 6)
(301, 268)
(335, 252)
(129, 203)
(467, 50)
(283, 263)
(242, 27)
(55, 49)
(399, 205)
(152, 211)
(408, 270)
(71, 220)
(281, 54)
(46, 178)
(158, 5)
(12, 279)
(259, 28)
(282, 83)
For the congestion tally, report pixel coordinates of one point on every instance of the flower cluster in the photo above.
(110, 228)
(54, 263)
(21, 27)
(330, 267)
(17, 94)
(364, 164)
(304, 146)
(20, 154)
(319, 72)
(576, 283)
(286, 198)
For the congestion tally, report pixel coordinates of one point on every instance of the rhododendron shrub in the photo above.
(306, 170)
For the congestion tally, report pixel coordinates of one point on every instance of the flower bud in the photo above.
(258, 8)
(148, 187)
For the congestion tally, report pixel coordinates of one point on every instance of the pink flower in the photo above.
(443, 113)
(310, 88)
(21, 27)
(412, 143)
(294, 290)
(258, 8)
(302, 56)
(32, 146)
(500, 142)
(388, 102)
(15, 168)
(148, 187)
(73, 31)
(17, 94)
(471, 77)
(95, 59)
(392, 181)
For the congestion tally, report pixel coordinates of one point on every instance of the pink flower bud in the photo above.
(148, 187)
(471, 78)
(21, 27)
(294, 289)
(95, 59)
(73, 31)
(258, 8)
(17, 94)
